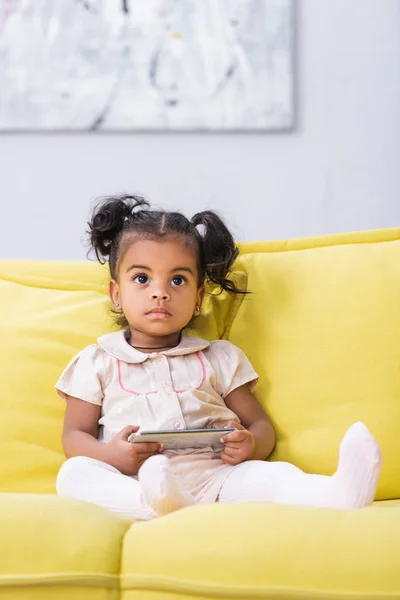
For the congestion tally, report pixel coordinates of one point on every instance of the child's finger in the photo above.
(147, 447)
(235, 436)
(231, 452)
(127, 431)
(233, 446)
(230, 460)
(144, 456)
(235, 425)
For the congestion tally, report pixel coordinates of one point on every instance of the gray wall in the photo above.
(339, 171)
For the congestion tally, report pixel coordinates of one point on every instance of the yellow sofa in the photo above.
(322, 327)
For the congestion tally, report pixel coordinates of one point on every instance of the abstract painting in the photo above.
(146, 65)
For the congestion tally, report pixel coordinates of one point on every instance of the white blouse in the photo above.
(178, 388)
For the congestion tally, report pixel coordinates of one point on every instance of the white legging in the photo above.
(253, 481)
(352, 486)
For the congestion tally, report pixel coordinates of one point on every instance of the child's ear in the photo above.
(113, 292)
(199, 299)
(200, 294)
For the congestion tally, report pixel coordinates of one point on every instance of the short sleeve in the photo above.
(84, 376)
(231, 366)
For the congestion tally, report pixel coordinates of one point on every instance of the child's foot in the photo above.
(160, 486)
(360, 463)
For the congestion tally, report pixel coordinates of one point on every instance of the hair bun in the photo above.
(108, 219)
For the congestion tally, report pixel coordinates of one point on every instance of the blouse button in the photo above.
(178, 425)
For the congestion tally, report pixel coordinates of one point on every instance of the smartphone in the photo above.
(186, 438)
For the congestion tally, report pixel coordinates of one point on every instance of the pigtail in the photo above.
(109, 218)
(218, 249)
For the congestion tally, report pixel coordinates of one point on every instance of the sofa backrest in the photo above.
(321, 326)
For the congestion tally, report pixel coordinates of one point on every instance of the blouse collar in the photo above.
(117, 345)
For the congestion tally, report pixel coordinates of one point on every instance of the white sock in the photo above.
(360, 463)
(352, 486)
(160, 487)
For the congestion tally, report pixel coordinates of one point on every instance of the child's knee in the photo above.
(72, 472)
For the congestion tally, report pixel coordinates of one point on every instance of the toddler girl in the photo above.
(153, 375)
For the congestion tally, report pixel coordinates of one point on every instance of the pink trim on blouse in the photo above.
(126, 389)
(203, 376)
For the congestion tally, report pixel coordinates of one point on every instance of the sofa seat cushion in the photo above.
(261, 551)
(57, 548)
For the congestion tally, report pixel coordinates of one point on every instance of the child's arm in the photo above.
(255, 438)
(80, 439)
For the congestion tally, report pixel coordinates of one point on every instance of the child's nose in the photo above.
(159, 295)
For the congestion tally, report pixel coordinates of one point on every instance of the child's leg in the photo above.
(161, 489)
(97, 482)
(352, 486)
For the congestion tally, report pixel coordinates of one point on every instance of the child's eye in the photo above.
(141, 279)
(178, 280)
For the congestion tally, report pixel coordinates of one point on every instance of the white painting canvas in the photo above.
(146, 65)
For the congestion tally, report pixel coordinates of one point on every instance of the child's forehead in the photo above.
(159, 252)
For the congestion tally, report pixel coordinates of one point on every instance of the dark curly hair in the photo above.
(117, 220)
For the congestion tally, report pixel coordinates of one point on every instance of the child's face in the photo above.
(157, 287)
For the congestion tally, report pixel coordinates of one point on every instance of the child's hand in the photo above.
(239, 445)
(126, 456)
